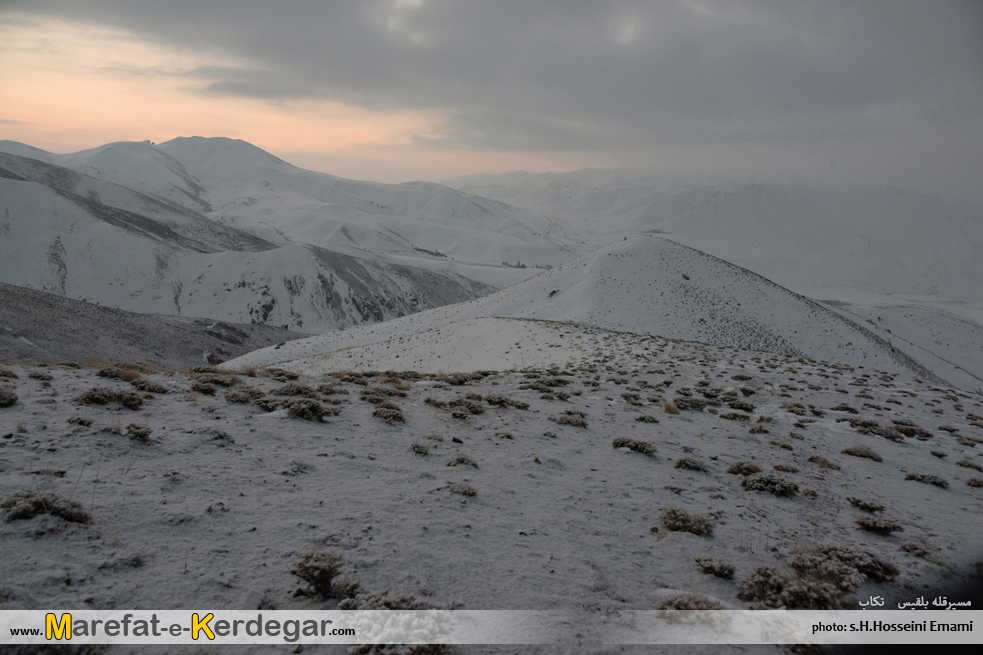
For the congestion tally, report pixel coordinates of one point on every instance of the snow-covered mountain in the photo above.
(129, 226)
(644, 285)
(886, 241)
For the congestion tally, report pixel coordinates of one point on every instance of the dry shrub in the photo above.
(678, 520)
(974, 482)
(744, 468)
(462, 488)
(204, 388)
(714, 566)
(307, 409)
(28, 504)
(389, 413)
(7, 373)
(420, 449)
(862, 451)
(970, 465)
(865, 506)
(670, 408)
(571, 417)
(143, 384)
(279, 374)
(115, 372)
(734, 416)
(689, 602)
(785, 468)
(646, 418)
(105, 395)
(293, 389)
(244, 395)
(138, 432)
(498, 400)
(879, 525)
(770, 483)
(928, 479)
(322, 571)
(7, 398)
(824, 463)
(691, 464)
(642, 447)
(463, 460)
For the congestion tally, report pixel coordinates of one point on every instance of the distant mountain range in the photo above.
(220, 228)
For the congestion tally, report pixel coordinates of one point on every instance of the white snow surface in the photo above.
(643, 284)
(219, 504)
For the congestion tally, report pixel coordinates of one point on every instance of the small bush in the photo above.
(689, 602)
(472, 406)
(322, 571)
(678, 520)
(970, 465)
(294, 389)
(462, 488)
(420, 449)
(462, 460)
(744, 468)
(138, 432)
(843, 407)
(734, 416)
(571, 417)
(770, 483)
(279, 374)
(785, 468)
(974, 482)
(865, 506)
(105, 395)
(80, 420)
(7, 373)
(646, 418)
(879, 525)
(695, 404)
(928, 479)
(741, 405)
(642, 447)
(149, 386)
(691, 464)
(498, 400)
(46, 377)
(204, 388)
(7, 398)
(717, 567)
(244, 395)
(28, 504)
(307, 409)
(824, 463)
(125, 374)
(862, 451)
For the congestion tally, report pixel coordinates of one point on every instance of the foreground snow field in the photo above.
(539, 489)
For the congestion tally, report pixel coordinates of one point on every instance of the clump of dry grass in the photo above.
(974, 482)
(322, 571)
(744, 468)
(420, 449)
(691, 464)
(675, 519)
(689, 601)
(670, 408)
(462, 460)
(824, 463)
(462, 488)
(862, 451)
(714, 566)
(28, 504)
(138, 432)
(105, 395)
(204, 388)
(927, 478)
(149, 386)
(125, 374)
(571, 417)
(7, 398)
(389, 412)
(879, 526)
(970, 465)
(642, 447)
(244, 395)
(865, 506)
(771, 484)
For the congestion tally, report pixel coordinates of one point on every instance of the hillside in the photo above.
(642, 285)
(44, 327)
(89, 239)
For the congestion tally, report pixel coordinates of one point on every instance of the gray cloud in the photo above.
(568, 74)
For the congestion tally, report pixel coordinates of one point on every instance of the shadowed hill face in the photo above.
(643, 285)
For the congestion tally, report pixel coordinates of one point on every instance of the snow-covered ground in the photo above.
(219, 502)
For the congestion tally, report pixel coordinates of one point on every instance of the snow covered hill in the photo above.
(44, 327)
(644, 285)
(68, 233)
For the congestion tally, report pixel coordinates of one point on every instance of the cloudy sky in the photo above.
(862, 91)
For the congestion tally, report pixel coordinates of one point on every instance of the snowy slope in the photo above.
(250, 188)
(220, 500)
(644, 285)
(68, 233)
(44, 327)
